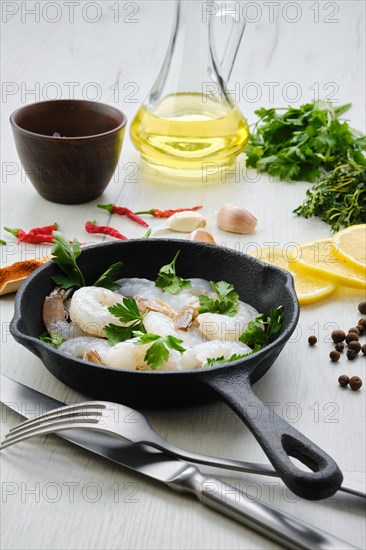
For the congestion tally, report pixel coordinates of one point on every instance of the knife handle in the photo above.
(287, 530)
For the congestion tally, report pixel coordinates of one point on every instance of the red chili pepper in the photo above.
(167, 213)
(123, 211)
(47, 229)
(39, 238)
(92, 227)
(37, 235)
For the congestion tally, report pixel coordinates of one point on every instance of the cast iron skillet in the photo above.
(261, 285)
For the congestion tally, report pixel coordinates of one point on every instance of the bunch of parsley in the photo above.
(303, 143)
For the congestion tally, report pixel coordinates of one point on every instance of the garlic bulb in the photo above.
(183, 222)
(236, 219)
(202, 236)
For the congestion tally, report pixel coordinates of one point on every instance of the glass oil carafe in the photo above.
(189, 119)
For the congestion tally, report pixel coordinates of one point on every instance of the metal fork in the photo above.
(129, 425)
(122, 422)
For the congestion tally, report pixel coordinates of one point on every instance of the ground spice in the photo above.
(18, 270)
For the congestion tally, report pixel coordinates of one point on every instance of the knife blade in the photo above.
(180, 476)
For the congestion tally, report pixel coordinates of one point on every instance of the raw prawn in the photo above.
(144, 287)
(126, 355)
(214, 326)
(55, 315)
(197, 356)
(157, 323)
(89, 309)
(131, 356)
(83, 344)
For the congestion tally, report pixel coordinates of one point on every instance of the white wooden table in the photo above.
(56, 496)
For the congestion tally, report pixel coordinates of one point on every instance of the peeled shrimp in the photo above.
(143, 287)
(89, 309)
(139, 287)
(131, 356)
(157, 323)
(214, 326)
(195, 358)
(83, 344)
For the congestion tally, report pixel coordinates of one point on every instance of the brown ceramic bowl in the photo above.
(77, 166)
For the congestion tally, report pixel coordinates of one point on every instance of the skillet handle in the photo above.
(278, 439)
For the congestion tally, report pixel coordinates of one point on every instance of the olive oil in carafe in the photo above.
(185, 130)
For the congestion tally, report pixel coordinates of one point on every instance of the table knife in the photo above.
(180, 476)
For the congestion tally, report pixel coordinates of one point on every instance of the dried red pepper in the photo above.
(39, 238)
(37, 235)
(92, 227)
(167, 213)
(123, 211)
(48, 229)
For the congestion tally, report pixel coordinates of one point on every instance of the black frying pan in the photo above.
(261, 285)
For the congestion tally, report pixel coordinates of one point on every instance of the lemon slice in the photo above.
(351, 247)
(319, 259)
(308, 289)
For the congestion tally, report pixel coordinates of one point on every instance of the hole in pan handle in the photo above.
(278, 439)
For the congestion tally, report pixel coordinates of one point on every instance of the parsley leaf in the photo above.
(227, 303)
(158, 353)
(168, 280)
(107, 279)
(65, 255)
(116, 334)
(214, 362)
(302, 143)
(128, 312)
(53, 339)
(260, 330)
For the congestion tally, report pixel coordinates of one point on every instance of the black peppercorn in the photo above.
(351, 337)
(339, 347)
(364, 349)
(334, 356)
(355, 382)
(354, 346)
(338, 336)
(312, 340)
(351, 355)
(362, 308)
(343, 380)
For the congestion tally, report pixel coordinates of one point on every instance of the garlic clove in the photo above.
(202, 236)
(235, 219)
(183, 222)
